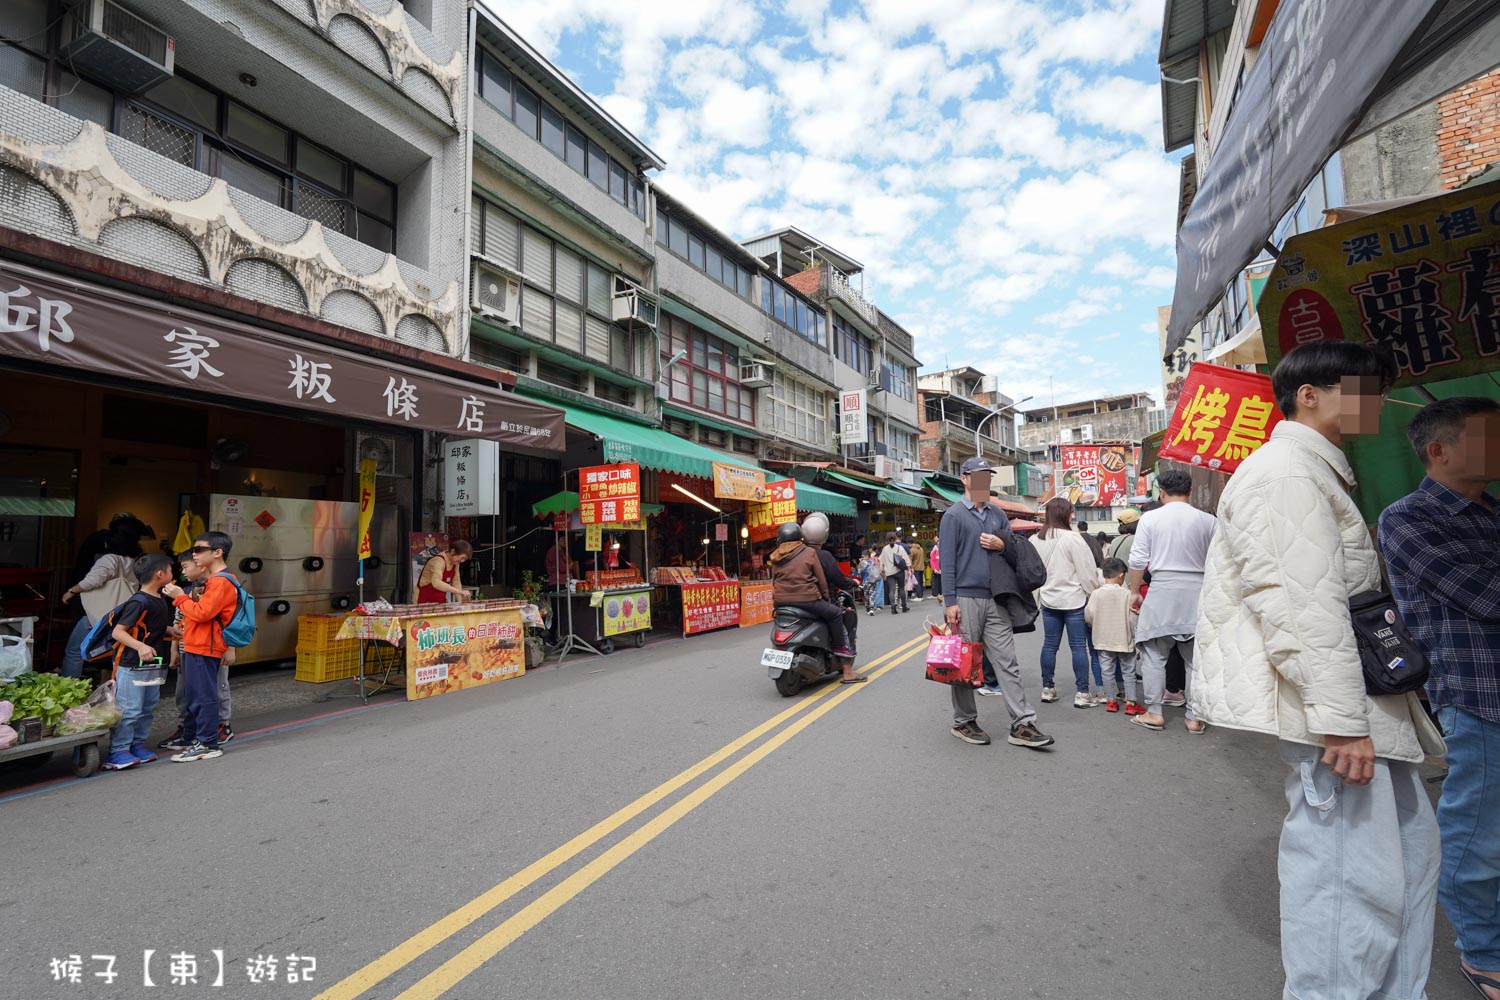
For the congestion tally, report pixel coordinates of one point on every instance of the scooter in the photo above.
(801, 652)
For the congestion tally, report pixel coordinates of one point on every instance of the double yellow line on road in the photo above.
(493, 942)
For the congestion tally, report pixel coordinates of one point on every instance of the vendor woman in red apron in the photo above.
(440, 576)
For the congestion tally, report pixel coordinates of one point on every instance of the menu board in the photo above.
(709, 606)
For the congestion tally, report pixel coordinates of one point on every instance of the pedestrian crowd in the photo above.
(1266, 606)
(159, 612)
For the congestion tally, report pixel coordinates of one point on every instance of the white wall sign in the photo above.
(852, 426)
(470, 478)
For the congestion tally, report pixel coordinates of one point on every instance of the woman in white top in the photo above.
(1071, 577)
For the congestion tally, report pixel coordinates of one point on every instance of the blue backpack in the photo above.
(99, 642)
(240, 631)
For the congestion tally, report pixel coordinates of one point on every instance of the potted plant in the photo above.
(530, 591)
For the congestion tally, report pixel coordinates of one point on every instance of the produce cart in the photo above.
(87, 750)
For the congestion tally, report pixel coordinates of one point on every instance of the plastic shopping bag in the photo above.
(99, 712)
(951, 660)
(8, 736)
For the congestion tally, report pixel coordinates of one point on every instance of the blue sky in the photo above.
(996, 164)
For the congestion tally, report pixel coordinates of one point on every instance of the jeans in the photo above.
(1359, 872)
(1055, 622)
(1468, 815)
(200, 676)
(137, 705)
(937, 584)
(916, 583)
(895, 591)
(982, 620)
(72, 661)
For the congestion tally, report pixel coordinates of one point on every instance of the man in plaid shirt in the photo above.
(1442, 549)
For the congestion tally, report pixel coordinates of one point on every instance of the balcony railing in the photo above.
(836, 286)
(71, 182)
(897, 336)
(960, 435)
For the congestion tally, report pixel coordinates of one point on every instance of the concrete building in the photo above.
(1207, 48)
(872, 352)
(232, 268)
(954, 404)
(1127, 418)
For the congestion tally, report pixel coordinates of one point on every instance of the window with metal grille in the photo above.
(314, 204)
(623, 395)
(160, 135)
(568, 378)
(487, 352)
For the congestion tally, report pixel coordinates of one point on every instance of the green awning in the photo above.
(893, 497)
(566, 502)
(919, 500)
(654, 448)
(950, 495)
(36, 507)
(811, 498)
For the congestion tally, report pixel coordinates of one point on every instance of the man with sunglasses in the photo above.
(203, 645)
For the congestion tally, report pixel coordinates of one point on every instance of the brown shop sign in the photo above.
(58, 321)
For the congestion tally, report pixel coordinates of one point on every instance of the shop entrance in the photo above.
(75, 454)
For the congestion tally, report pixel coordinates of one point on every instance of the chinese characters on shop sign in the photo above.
(609, 494)
(1224, 415)
(1422, 281)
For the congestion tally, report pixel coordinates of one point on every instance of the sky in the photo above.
(995, 164)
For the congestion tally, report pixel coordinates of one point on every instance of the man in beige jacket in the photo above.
(1276, 654)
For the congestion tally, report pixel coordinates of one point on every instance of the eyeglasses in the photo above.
(200, 549)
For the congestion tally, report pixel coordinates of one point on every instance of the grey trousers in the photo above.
(1125, 664)
(1153, 655)
(982, 620)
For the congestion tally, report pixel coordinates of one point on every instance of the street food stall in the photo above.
(442, 647)
(610, 601)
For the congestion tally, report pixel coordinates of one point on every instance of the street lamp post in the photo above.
(978, 448)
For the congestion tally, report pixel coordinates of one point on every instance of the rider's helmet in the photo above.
(815, 528)
(789, 532)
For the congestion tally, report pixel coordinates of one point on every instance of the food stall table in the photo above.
(596, 618)
(86, 747)
(444, 647)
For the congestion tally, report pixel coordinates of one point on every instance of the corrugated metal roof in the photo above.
(1179, 103)
(1189, 22)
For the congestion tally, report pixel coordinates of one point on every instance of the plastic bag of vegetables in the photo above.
(45, 696)
(8, 736)
(99, 712)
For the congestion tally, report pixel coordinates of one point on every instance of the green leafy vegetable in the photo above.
(45, 695)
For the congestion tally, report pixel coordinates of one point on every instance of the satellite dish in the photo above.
(227, 452)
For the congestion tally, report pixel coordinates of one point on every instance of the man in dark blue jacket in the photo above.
(970, 536)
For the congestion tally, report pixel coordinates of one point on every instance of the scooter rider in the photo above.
(798, 581)
(815, 534)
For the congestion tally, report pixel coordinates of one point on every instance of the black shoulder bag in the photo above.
(1392, 661)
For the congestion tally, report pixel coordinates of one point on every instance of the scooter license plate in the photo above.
(779, 658)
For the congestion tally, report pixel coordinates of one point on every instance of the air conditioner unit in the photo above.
(630, 303)
(381, 450)
(756, 374)
(1065, 435)
(495, 295)
(872, 383)
(109, 42)
(1086, 433)
(889, 468)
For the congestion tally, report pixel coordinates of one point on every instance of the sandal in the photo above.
(856, 679)
(1155, 727)
(1479, 982)
(1202, 728)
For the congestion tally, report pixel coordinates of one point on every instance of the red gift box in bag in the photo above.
(951, 660)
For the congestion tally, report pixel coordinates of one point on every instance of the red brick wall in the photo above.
(1469, 129)
(806, 282)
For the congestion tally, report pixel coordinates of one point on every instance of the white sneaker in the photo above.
(1049, 694)
(197, 752)
(989, 692)
(1081, 700)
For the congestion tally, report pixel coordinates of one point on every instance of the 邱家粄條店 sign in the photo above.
(1222, 417)
(1422, 280)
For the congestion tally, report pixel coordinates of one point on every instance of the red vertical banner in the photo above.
(1224, 415)
(764, 518)
(609, 494)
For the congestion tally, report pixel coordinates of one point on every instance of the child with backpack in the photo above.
(180, 740)
(138, 629)
(220, 618)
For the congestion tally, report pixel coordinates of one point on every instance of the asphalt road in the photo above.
(539, 839)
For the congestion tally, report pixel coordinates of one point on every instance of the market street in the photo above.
(849, 848)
